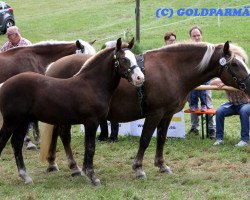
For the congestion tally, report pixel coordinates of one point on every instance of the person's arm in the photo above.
(217, 82)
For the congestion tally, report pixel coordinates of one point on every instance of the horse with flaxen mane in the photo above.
(171, 73)
(36, 58)
(82, 99)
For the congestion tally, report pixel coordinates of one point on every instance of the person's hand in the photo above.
(220, 85)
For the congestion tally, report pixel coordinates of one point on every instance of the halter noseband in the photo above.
(128, 72)
(240, 82)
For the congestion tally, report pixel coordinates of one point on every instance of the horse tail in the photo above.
(46, 137)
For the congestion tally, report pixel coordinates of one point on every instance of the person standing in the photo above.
(238, 104)
(16, 40)
(195, 34)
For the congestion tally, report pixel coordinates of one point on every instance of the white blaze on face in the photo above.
(137, 75)
(243, 63)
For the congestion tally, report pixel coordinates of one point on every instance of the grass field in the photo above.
(201, 171)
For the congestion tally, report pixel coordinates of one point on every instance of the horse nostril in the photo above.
(139, 78)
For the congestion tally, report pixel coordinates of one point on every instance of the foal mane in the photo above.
(98, 56)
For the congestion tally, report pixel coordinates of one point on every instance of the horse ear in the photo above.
(91, 43)
(118, 44)
(226, 48)
(79, 44)
(131, 43)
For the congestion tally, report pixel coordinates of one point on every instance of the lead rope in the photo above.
(140, 92)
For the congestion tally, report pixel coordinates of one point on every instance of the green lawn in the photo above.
(201, 171)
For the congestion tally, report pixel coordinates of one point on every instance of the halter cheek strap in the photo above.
(129, 71)
(240, 82)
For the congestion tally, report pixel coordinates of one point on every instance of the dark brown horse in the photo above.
(82, 99)
(171, 73)
(36, 58)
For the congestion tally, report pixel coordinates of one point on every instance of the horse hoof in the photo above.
(28, 180)
(53, 168)
(166, 169)
(140, 174)
(102, 138)
(112, 140)
(77, 173)
(97, 182)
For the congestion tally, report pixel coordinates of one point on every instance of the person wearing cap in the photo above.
(14, 39)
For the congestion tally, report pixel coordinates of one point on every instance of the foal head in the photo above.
(126, 65)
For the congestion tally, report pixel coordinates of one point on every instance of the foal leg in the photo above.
(36, 132)
(5, 134)
(52, 151)
(90, 134)
(162, 129)
(149, 126)
(66, 140)
(17, 144)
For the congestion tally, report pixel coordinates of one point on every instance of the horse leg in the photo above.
(5, 134)
(162, 129)
(104, 131)
(114, 131)
(52, 151)
(66, 140)
(17, 140)
(149, 126)
(90, 134)
(36, 132)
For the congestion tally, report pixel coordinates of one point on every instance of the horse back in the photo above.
(67, 66)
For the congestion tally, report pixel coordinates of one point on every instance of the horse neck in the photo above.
(184, 62)
(100, 73)
(50, 53)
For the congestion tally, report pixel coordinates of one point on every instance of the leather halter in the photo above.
(226, 65)
(127, 74)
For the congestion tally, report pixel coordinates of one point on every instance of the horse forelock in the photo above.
(239, 52)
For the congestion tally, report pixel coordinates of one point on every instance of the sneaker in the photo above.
(193, 108)
(241, 144)
(203, 108)
(218, 142)
(31, 146)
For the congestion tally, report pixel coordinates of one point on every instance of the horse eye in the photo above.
(124, 59)
(233, 64)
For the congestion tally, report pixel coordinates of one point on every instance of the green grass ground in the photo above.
(201, 171)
